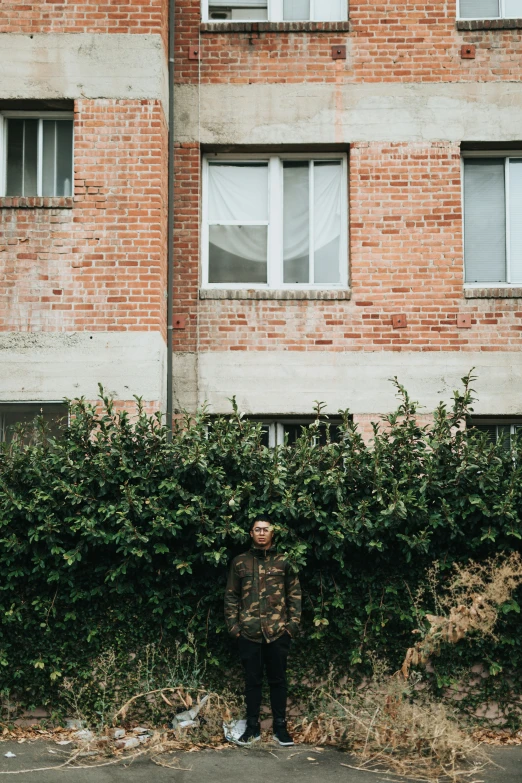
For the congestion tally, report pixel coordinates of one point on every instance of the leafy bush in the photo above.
(114, 538)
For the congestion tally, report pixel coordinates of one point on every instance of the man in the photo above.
(263, 611)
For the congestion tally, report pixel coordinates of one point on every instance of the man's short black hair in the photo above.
(260, 518)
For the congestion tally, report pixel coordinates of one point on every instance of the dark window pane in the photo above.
(55, 416)
(238, 254)
(49, 158)
(31, 158)
(64, 163)
(15, 157)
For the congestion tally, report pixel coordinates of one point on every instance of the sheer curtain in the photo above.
(326, 221)
(319, 10)
(238, 197)
(478, 9)
(485, 220)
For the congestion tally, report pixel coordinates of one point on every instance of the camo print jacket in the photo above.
(263, 597)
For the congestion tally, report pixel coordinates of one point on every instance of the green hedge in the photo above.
(112, 536)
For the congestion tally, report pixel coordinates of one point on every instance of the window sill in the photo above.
(275, 27)
(489, 24)
(490, 292)
(36, 202)
(263, 293)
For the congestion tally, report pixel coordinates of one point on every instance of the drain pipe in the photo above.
(170, 224)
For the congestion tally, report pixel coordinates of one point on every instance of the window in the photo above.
(279, 431)
(490, 9)
(498, 431)
(275, 222)
(24, 413)
(275, 10)
(38, 154)
(492, 226)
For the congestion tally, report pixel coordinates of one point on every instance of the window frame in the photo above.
(506, 154)
(275, 266)
(513, 423)
(483, 18)
(34, 115)
(20, 404)
(274, 13)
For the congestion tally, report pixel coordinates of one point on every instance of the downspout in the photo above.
(170, 224)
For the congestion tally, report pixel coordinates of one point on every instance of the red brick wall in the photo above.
(405, 258)
(186, 244)
(100, 265)
(390, 40)
(75, 16)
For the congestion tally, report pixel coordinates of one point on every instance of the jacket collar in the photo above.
(262, 554)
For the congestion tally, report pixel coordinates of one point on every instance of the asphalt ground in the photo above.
(35, 762)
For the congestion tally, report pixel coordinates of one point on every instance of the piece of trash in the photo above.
(185, 720)
(128, 742)
(73, 723)
(118, 734)
(310, 758)
(64, 742)
(51, 751)
(84, 735)
(140, 730)
(234, 729)
(10, 755)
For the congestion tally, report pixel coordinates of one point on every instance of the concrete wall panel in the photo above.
(81, 65)
(288, 382)
(344, 113)
(45, 366)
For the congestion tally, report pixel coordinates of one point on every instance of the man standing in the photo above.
(263, 611)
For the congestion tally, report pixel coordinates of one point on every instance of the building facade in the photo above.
(348, 181)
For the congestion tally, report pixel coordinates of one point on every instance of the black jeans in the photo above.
(255, 657)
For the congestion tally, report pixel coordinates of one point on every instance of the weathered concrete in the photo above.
(81, 65)
(288, 382)
(50, 366)
(258, 765)
(345, 113)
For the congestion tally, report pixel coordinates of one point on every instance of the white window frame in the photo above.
(506, 154)
(27, 115)
(275, 271)
(275, 12)
(502, 15)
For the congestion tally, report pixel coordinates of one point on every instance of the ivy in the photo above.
(114, 537)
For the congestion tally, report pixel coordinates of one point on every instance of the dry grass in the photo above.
(470, 604)
(390, 725)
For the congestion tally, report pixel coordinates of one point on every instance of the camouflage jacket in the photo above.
(263, 596)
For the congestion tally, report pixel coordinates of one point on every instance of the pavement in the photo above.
(264, 764)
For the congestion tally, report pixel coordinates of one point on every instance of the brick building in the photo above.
(347, 195)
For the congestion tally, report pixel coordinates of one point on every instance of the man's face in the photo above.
(262, 534)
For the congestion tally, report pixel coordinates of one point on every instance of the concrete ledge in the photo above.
(82, 65)
(36, 202)
(288, 382)
(267, 114)
(489, 24)
(493, 293)
(50, 366)
(255, 293)
(275, 27)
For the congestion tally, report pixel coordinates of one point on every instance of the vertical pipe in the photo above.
(170, 222)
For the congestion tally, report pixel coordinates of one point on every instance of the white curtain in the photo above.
(238, 193)
(484, 221)
(515, 214)
(330, 10)
(238, 253)
(513, 9)
(478, 9)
